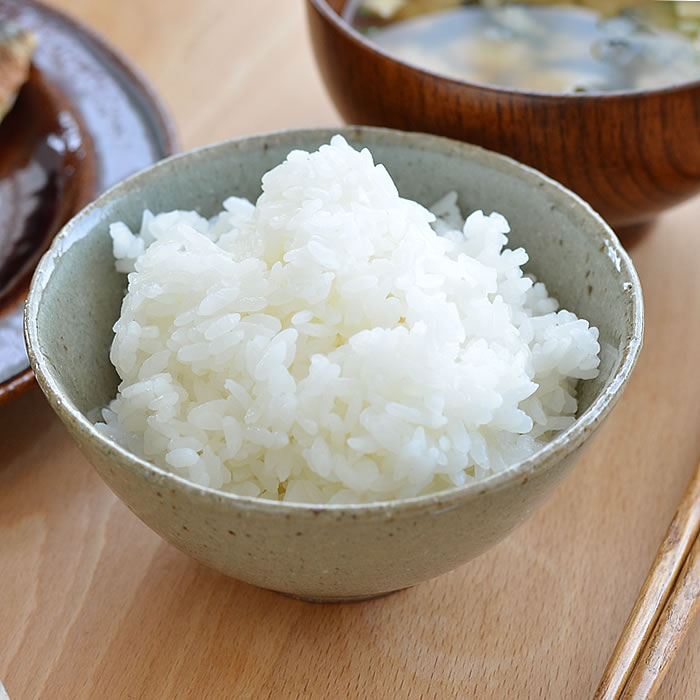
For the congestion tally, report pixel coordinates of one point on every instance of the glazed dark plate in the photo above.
(84, 121)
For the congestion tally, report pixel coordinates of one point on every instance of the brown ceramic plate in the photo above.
(85, 120)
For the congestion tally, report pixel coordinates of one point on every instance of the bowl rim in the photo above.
(336, 19)
(544, 459)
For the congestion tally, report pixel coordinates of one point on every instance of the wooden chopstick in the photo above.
(682, 533)
(669, 632)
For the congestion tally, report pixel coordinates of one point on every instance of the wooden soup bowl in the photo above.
(630, 154)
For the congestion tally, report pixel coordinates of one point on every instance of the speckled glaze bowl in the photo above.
(329, 552)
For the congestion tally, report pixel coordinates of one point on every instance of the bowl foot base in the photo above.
(632, 234)
(340, 599)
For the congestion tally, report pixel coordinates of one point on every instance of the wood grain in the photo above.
(95, 606)
(630, 157)
(664, 595)
(669, 633)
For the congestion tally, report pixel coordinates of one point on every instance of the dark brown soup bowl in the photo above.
(630, 154)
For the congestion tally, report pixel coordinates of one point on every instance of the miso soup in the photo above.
(596, 46)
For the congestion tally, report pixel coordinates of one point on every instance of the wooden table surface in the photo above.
(94, 605)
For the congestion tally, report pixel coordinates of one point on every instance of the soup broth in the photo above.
(545, 47)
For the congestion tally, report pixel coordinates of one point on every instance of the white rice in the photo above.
(325, 346)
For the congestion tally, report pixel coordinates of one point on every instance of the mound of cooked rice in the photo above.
(325, 345)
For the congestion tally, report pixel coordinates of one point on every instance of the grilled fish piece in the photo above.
(16, 49)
